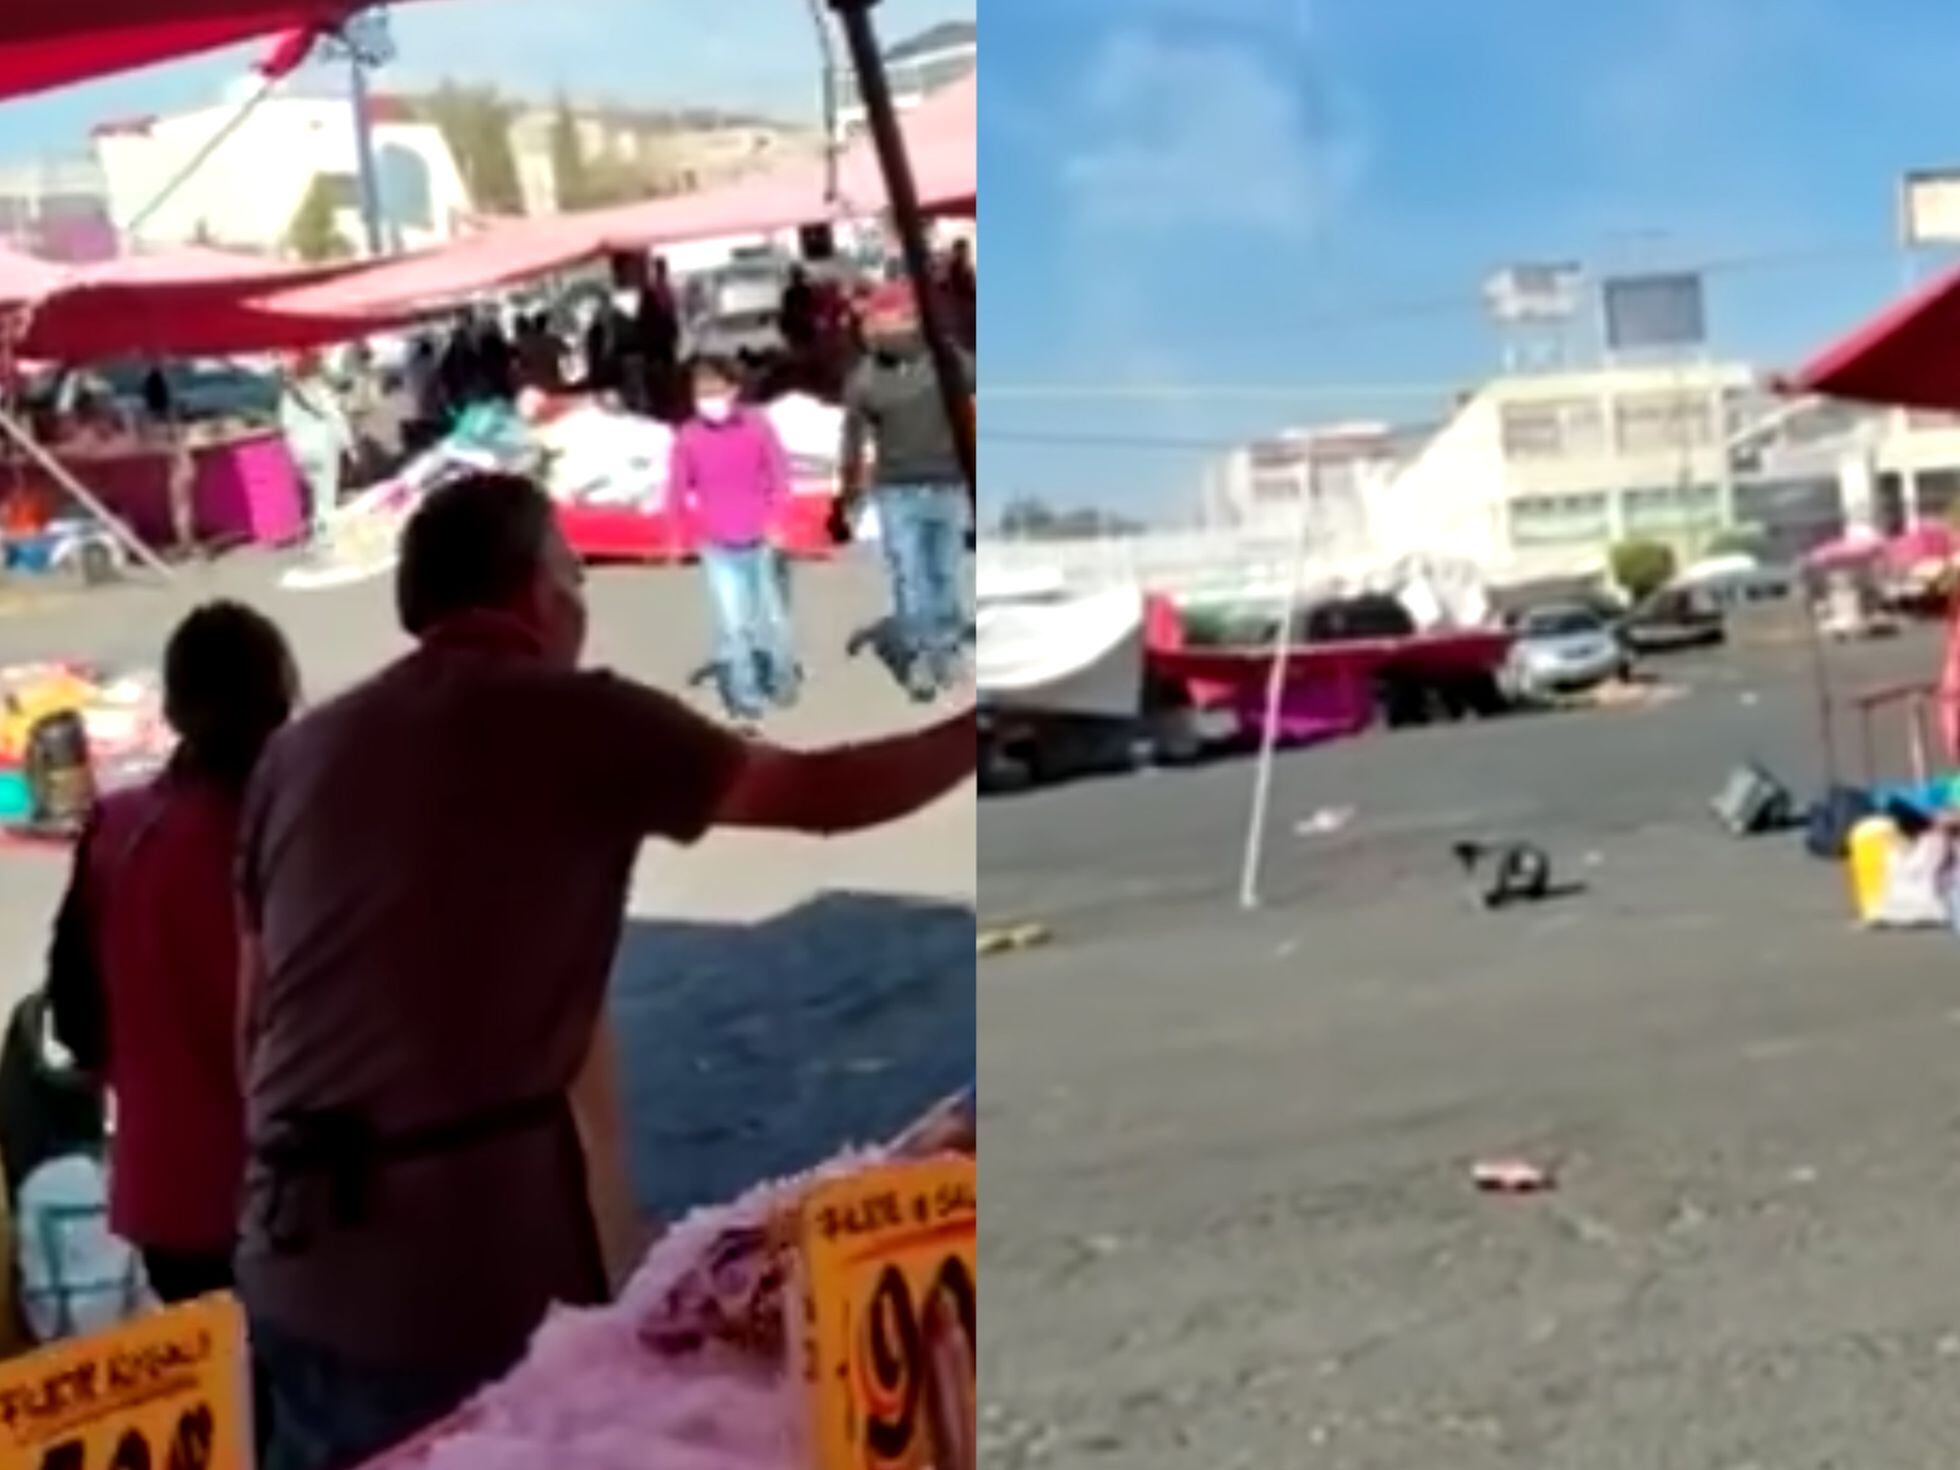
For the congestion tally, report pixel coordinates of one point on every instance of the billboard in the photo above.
(1534, 292)
(1929, 207)
(1645, 313)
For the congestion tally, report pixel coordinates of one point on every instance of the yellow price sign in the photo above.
(889, 1292)
(166, 1392)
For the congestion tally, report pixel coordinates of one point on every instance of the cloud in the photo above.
(1205, 134)
(1692, 58)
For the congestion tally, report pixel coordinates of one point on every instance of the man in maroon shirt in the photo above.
(433, 874)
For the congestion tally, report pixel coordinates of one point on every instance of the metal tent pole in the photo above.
(1253, 866)
(868, 62)
(31, 447)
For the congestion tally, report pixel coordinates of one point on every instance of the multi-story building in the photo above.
(1545, 472)
(247, 193)
(916, 67)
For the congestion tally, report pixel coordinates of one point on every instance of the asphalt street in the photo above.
(1229, 1219)
(776, 998)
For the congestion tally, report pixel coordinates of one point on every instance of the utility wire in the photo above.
(1788, 258)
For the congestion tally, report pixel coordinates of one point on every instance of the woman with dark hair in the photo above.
(144, 972)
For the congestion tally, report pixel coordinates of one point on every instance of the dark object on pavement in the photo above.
(60, 782)
(1358, 619)
(48, 1107)
(1517, 872)
(1754, 802)
(1827, 829)
(1673, 619)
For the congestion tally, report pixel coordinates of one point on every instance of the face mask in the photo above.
(716, 409)
(627, 303)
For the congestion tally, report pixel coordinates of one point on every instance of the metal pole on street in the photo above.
(868, 62)
(1262, 785)
(365, 170)
(833, 138)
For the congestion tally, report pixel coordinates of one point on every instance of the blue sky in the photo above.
(748, 53)
(1307, 193)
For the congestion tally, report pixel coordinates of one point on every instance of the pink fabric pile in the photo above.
(672, 1375)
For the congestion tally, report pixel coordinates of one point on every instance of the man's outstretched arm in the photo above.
(849, 788)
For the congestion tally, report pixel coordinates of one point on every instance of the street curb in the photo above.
(1016, 939)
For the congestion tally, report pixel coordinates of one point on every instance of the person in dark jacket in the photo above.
(144, 973)
(892, 405)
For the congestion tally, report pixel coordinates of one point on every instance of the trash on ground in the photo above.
(1615, 694)
(1325, 822)
(988, 943)
(1512, 1176)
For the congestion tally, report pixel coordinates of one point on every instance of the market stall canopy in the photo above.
(940, 137)
(1905, 356)
(183, 303)
(24, 278)
(53, 43)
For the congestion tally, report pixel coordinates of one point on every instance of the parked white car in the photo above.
(1565, 649)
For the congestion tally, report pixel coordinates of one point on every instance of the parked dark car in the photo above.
(1675, 618)
(199, 391)
(1358, 620)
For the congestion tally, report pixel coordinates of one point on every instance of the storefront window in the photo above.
(1653, 423)
(1560, 520)
(1669, 508)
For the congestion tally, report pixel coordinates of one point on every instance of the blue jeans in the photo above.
(317, 1411)
(923, 530)
(755, 660)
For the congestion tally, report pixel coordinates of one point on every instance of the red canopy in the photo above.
(186, 303)
(51, 43)
(1905, 356)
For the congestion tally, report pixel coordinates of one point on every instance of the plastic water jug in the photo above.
(1873, 844)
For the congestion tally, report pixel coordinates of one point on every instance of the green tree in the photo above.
(475, 122)
(1642, 568)
(1741, 540)
(314, 234)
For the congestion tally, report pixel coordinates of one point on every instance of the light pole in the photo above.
(833, 141)
(367, 44)
(874, 87)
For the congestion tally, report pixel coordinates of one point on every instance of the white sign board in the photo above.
(1534, 293)
(1929, 207)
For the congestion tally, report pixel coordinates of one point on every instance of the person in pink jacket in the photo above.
(729, 479)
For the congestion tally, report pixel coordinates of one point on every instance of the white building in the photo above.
(1538, 476)
(246, 195)
(1548, 471)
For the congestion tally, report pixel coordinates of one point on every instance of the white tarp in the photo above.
(586, 455)
(1063, 655)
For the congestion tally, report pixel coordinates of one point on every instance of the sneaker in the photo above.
(922, 684)
(786, 694)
